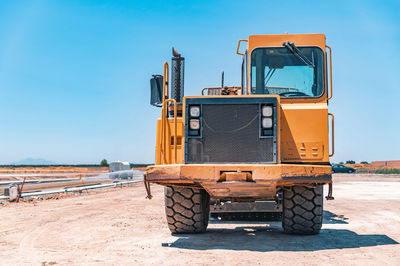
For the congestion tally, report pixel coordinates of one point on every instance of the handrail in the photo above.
(237, 50)
(163, 122)
(166, 81)
(333, 135)
(330, 72)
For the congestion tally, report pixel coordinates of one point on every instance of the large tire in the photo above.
(187, 209)
(302, 210)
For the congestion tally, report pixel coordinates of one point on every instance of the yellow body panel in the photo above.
(304, 132)
(167, 156)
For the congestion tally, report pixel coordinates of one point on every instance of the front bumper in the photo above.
(245, 181)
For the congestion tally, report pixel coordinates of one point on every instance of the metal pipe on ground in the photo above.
(73, 189)
(125, 174)
(37, 181)
(42, 186)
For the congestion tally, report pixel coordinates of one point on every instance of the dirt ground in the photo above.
(121, 227)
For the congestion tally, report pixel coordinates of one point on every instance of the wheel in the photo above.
(350, 171)
(302, 210)
(333, 171)
(186, 209)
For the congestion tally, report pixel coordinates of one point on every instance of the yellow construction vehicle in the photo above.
(262, 146)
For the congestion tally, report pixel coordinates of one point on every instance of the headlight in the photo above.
(266, 122)
(195, 111)
(194, 124)
(267, 110)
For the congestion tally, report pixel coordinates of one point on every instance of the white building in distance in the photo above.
(119, 166)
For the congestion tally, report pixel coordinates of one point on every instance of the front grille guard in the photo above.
(216, 154)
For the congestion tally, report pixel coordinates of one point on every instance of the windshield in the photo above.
(279, 70)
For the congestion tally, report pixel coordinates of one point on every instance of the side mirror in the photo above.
(156, 84)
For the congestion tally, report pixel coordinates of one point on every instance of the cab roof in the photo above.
(316, 39)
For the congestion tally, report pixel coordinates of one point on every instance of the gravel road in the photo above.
(120, 227)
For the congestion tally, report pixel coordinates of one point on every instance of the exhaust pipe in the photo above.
(177, 76)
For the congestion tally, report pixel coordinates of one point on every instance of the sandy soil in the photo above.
(120, 227)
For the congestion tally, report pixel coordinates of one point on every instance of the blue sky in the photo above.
(74, 75)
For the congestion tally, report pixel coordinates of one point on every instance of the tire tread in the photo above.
(186, 209)
(302, 210)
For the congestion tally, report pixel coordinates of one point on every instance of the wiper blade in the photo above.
(291, 47)
(269, 75)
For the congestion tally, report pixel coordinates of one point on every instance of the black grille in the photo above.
(230, 134)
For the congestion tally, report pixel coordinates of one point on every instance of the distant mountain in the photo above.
(33, 161)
